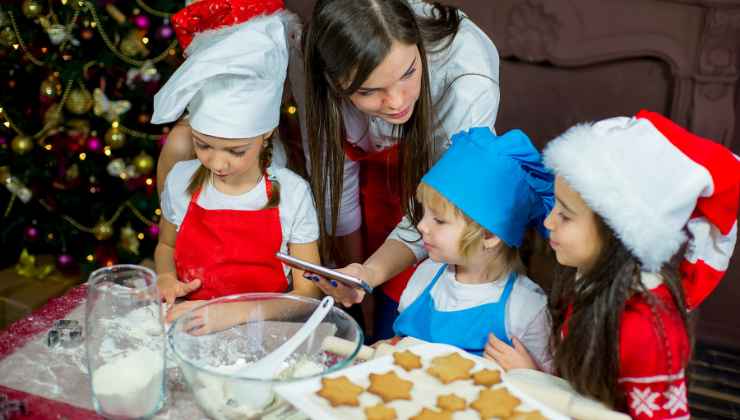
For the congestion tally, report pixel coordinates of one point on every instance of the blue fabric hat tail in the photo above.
(498, 181)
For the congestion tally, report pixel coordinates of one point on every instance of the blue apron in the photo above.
(467, 329)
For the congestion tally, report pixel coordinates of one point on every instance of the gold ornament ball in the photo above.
(50, 88)
(21, 144)
(79, 102)
(103, 230)
(32, 8)
(115, 138)
(143, 163)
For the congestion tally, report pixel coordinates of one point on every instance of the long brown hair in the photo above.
(588, 355)
(344, 42)
(203, 174)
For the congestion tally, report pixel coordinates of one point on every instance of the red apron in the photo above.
(230, 251)
(380, 201)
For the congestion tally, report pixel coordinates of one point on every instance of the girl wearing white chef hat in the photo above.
(226, 213)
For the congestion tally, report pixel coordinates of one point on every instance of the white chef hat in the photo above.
(232, 80)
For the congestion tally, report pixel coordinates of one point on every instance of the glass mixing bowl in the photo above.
(214, 344)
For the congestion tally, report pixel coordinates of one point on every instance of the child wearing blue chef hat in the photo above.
(479, 199)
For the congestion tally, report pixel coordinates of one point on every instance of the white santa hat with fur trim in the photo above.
(657, 185)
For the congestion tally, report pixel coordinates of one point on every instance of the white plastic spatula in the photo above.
(259, 395)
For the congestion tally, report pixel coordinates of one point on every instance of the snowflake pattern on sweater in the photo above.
(654, 350)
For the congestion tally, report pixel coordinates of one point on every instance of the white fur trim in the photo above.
(650, 280)
(709, 244)
(624, 169)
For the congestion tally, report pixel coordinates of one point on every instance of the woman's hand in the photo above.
(346, 295)
(170, 288)
(508, 357)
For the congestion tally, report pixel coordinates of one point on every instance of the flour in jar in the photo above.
(130, 385)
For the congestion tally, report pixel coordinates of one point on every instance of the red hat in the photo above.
(208, 15)
(657, 185)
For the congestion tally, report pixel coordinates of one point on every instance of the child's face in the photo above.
(391, 90)
(574, 233)
(231, 161)
(441, 234)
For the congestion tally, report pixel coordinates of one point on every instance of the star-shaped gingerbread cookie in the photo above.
(487, 377)
(451, 368)
(380, 412)
(407, 360)
(340, 391)
(389, 386)
(427, 414)
(451, 402)
(495, 403)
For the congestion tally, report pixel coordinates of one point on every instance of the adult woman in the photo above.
(387, 83)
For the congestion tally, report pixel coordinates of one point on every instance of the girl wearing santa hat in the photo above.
(479, 199)
(226, 213)
(629, 192)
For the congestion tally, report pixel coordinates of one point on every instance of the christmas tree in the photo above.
(77, 152)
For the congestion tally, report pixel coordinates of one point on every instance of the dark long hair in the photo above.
(344, 42)
(588, 355)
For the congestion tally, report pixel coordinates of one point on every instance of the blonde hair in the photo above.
(203, 174)
(473, 234)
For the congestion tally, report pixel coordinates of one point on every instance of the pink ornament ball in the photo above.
(142, 21)
(94, 144)
(153, 231)
(65, 262)
(31, 233)
(165, 32)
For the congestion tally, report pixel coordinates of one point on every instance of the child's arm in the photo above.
(217, 317)
(178, 147)
(169, 286)
(308, 252)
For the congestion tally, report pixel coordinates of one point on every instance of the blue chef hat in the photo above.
(498, 181)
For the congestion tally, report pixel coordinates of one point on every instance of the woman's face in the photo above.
(391, 90)
(574, 232)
